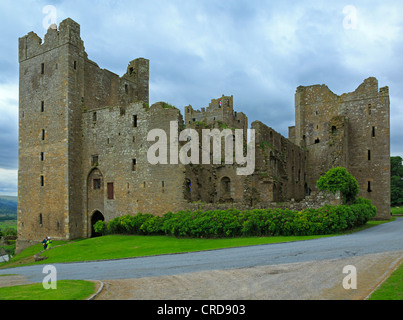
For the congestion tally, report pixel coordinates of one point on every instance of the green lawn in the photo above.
(120, 246)
(66, 290)
(392, 288)
(397, 210)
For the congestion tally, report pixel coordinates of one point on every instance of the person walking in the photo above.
(48, 243)
(44, 243)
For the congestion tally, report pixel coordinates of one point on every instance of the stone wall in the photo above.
(352, 131)
(315, 201)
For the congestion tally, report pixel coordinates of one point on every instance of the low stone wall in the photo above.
(314, 201)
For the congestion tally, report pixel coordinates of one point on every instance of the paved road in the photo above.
(383, 238)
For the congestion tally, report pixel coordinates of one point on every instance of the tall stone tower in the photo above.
(51, 87)
(352, 131)
(58, 84)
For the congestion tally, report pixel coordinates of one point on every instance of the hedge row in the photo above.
(235, 223)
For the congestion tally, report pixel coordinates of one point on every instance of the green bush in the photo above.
(100, 227)
(339, 179)
(235, 223)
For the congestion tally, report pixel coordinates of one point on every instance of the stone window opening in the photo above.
(226, 185)
(369, 189)
(42, 156)
(373, 132)
(94, 117)
(43, 134)
(317, 141)
(131, 70)
(75, 65)
(42, 106)
(134, 165)
(334, 129)
(42, 181)
(110, 191)
(42, 68)
(369, 109)
(135, 121)
(97, 184)
(369, 155)
(40, 219)
(94, 160)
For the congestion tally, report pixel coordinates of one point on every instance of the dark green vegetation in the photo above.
(396, 181)
(249, 223)
(339, 179)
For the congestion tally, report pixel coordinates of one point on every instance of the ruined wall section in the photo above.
(220, 113)
(216, 183)
(280, 172)
(117, 137)
(104, 88)
(352, 131)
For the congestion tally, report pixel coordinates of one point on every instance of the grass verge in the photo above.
(392, 288)
(397, 210)
(66, 290)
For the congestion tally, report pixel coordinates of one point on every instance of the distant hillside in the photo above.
(8, 206)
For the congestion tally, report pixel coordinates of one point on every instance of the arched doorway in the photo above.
(97, 216)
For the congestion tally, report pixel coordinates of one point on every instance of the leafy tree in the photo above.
(339, 179)
(396, 172)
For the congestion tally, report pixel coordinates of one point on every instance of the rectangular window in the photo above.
(134, 165)
(110, 191)
(369, 189)
(42, 181)
(42, 156)
(75, 65)
(369, 155)
(94, 161)
(94, 117)
(43, 134)
(373, 131)
(42, 106)
(369, 109)
(97, 184)
(42, 68)
(135, 121)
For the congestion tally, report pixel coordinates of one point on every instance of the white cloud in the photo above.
(8, 182)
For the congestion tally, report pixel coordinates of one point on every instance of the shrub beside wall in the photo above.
(235, 223)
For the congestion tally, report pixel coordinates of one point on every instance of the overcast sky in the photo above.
(258, 51)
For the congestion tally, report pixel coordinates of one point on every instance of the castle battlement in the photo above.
(31, 45)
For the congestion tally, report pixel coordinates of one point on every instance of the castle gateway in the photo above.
(83, 144)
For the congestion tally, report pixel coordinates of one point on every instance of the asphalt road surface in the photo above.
(380, 239)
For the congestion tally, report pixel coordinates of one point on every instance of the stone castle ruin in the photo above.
(83, 145)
